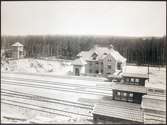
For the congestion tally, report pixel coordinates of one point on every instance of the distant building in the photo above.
(79, 66)
(17, 50)
(99, 60)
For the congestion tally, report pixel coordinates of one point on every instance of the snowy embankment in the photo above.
(37, 66)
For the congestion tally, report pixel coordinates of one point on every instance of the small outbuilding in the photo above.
(78, 66)
(17, 50)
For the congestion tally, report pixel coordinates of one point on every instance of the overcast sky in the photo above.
(83, 18)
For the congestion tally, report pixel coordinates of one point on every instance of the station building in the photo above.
(99, 61)
(126, 100)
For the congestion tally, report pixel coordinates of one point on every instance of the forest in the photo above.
(137, 50)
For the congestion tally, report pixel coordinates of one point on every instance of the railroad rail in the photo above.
(27, 100)
(55, 88)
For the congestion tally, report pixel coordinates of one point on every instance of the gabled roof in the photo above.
(17, 44)
(102, 52)
(78, 61)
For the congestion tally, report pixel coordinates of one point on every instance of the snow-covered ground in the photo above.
(37, 66)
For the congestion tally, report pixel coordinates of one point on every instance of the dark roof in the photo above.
(135, 75)
(129, 88)
(118, 109)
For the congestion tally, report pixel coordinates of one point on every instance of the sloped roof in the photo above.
(78, 61)
(117, 55)
(119, 109)
(17, 44)
(100, 51)
(131, 88)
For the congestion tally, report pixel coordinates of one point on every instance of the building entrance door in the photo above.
(77, 72)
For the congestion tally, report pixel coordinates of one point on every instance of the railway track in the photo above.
(56, 76)
(44, 104)
(47, 104)
(45, 99)
(55, 88)
(100, 87)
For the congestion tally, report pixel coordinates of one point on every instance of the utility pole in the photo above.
(148, 71)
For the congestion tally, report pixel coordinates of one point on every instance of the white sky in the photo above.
(84, 18)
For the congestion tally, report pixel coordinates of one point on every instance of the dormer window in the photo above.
(94, 56)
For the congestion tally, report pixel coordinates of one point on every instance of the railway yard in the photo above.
(46, 97)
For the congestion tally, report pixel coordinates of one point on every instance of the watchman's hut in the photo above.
(17, 50)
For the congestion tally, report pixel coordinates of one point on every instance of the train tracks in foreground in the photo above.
(47, 105)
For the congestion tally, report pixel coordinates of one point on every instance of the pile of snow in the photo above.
(37, 65)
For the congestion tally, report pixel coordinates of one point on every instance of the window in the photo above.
(151, 90)
(90, 71)
(94, 55)
(137, 80)
(101, 70)
(119, 66)
(94, 58)
(125, 94)
(97, 63)
(105, 54)
(101, 63)
(130, 94)
(109, 60)
(109, 66)
(159, 91)
(97, 71)
(118, 93)
(132, 80)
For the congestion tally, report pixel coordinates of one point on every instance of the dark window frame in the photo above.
(119, 67)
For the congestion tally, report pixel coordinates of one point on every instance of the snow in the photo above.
(37, 66)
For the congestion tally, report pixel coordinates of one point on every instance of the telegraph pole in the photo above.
(148, 71)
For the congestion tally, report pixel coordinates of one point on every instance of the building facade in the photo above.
(131, 88)
(125, 103)
(101, 61)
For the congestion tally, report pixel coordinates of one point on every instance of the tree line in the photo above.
(138, 50)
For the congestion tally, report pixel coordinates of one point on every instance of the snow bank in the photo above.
(37, 65)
